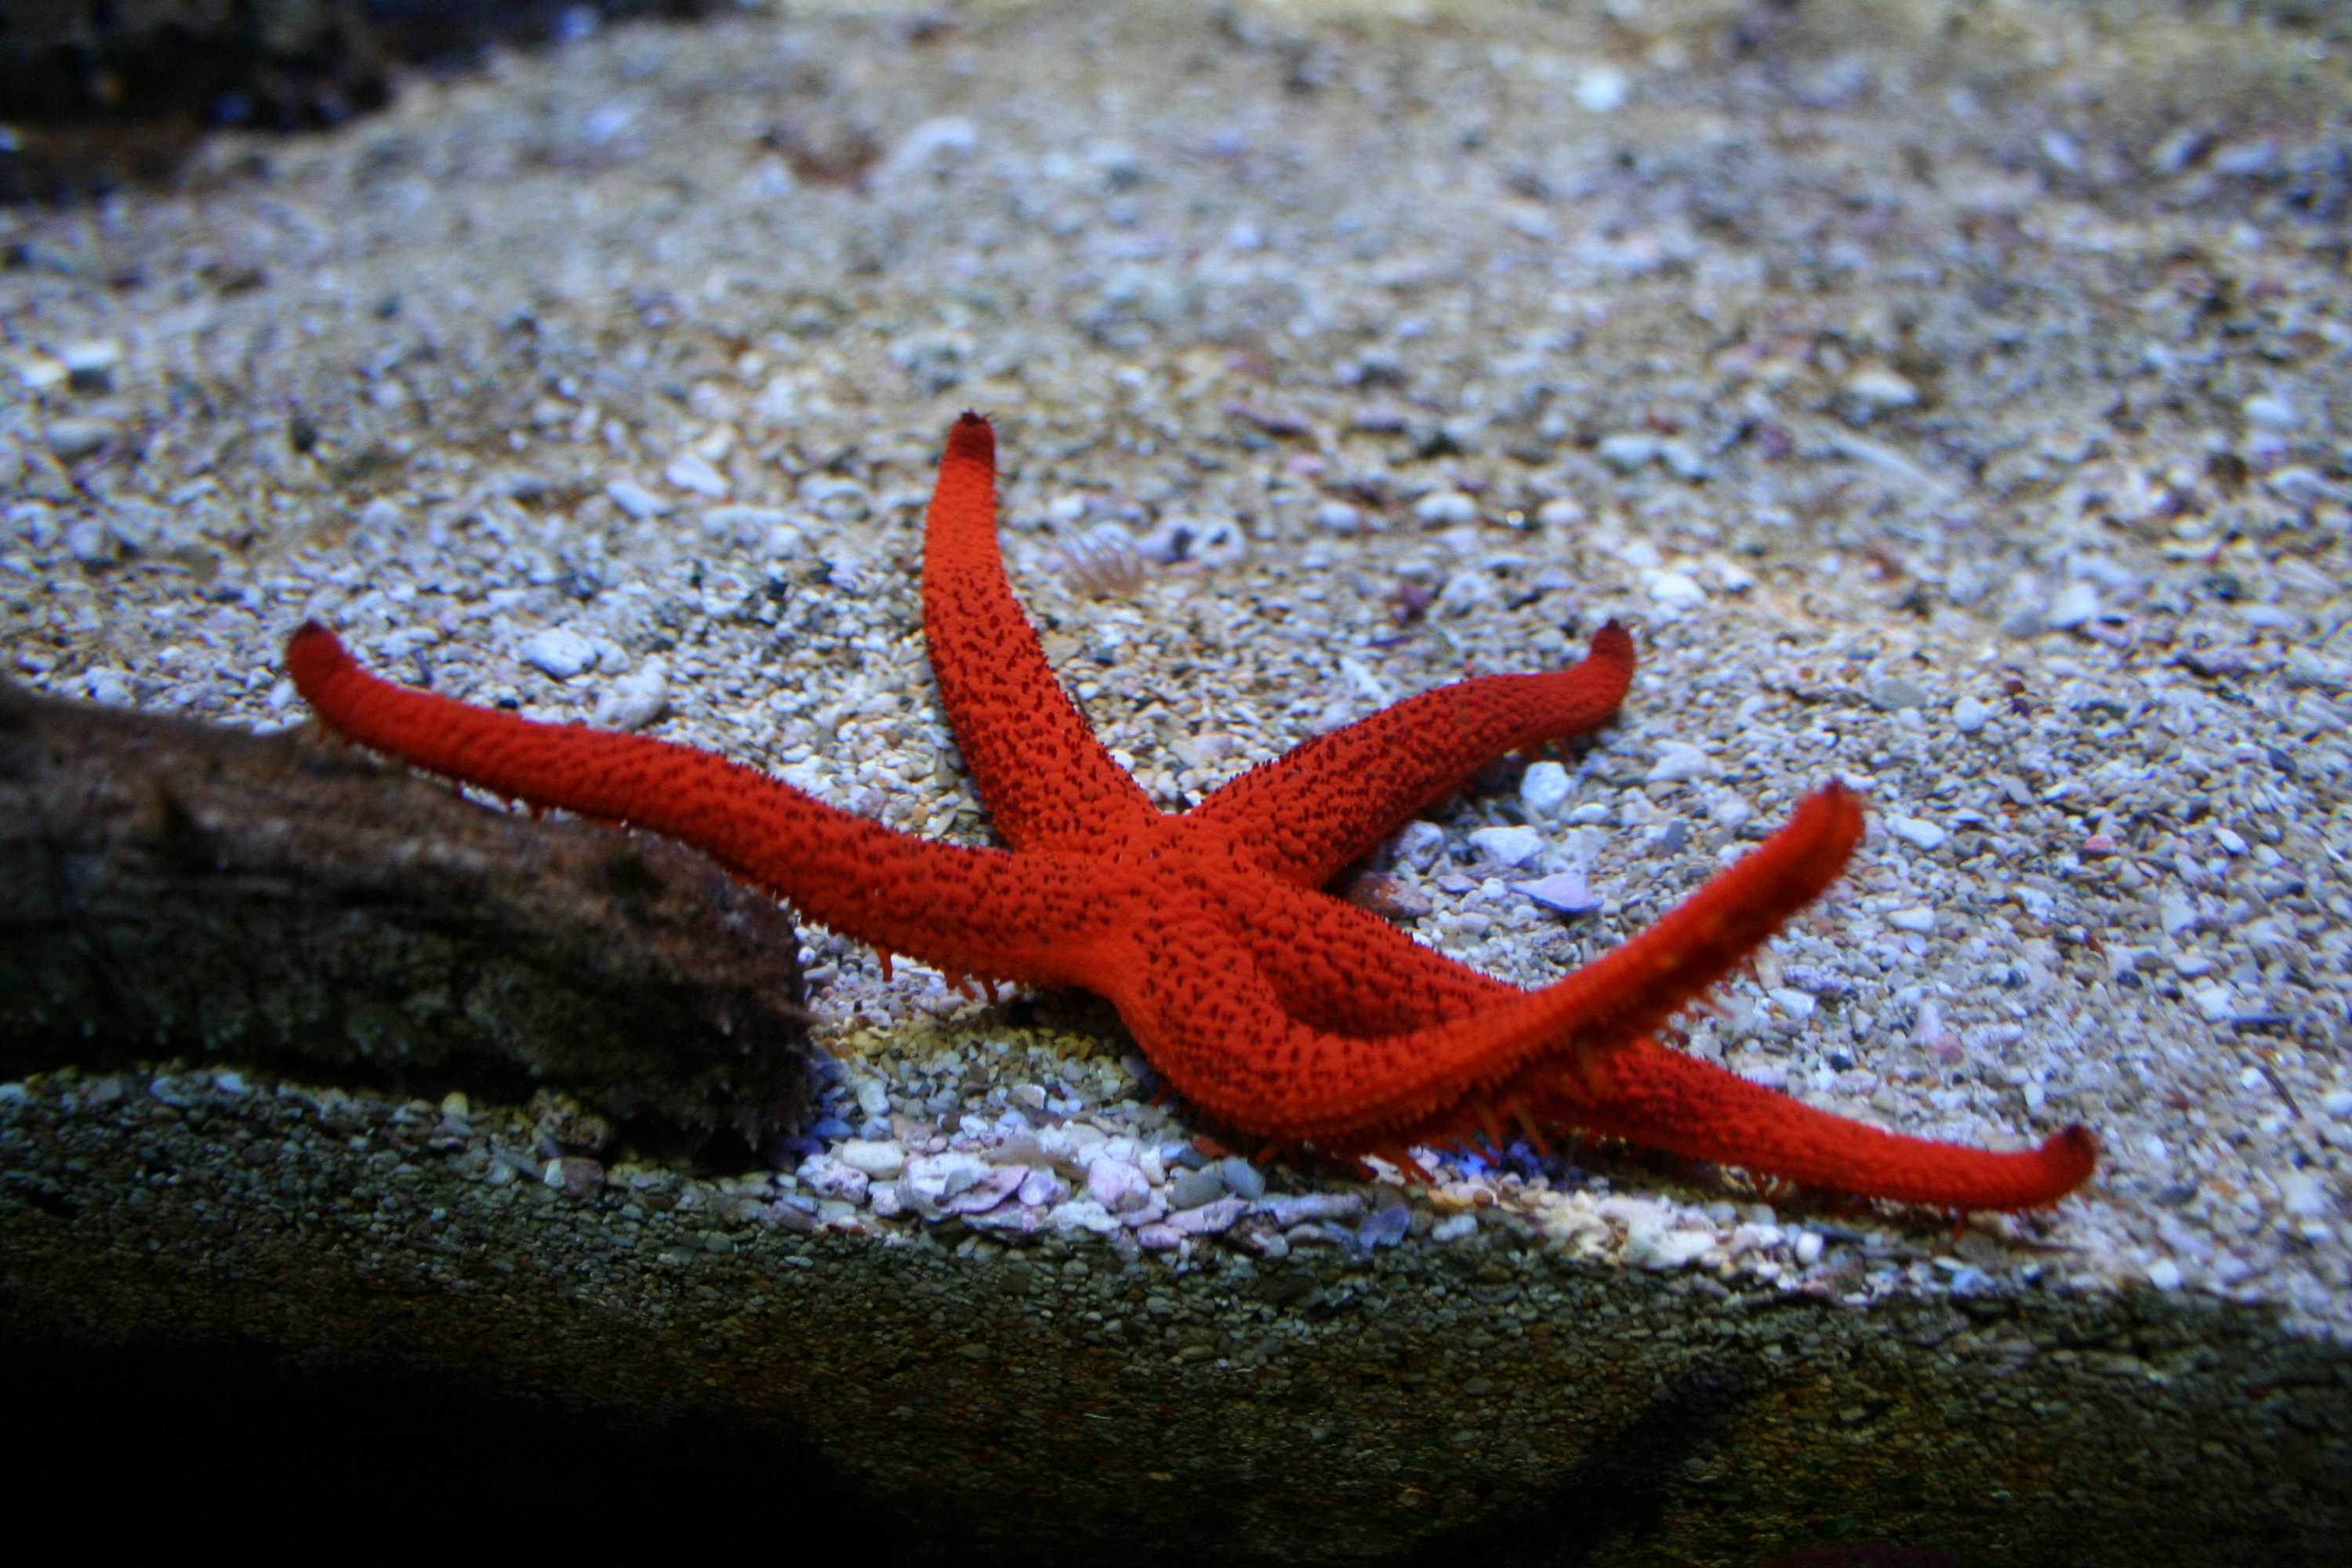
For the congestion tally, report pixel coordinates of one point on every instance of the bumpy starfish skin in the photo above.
(1277, 1009)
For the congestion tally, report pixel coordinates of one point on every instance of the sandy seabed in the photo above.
(1952, 397)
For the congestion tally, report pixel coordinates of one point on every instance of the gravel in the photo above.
(595, 352)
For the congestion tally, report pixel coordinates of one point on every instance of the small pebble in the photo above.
(1337, 517)
(1213, 1218)
(74, 439)
(1418, 845)
(1874, 390)
(1895, 694)
(91, 366)
(1390, 898)
(635, 500)
(1242, 1178)
(1678, 760)
(883, 1160)
(636, 700)
(573, 1176)
(1385, 1228)
(1919, 920)
(1117, 1186)
(1446, 509)
(1563, 893)
(1601, 89)
(1507, 846)
(1545, 787)
(557, 654)
(1969, 716)
(2076, 605)
(1677, 590)
(1912, 830)
(1627, 453)
(1159, 1238)
(692, 471)
(1196, 1187)
(2270, 411)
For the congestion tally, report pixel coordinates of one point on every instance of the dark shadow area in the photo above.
(1619, 1490)
(95, 95)
(203, 1441)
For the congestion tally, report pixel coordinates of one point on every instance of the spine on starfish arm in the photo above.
(1194, 988)
(1048, 783)
(1328, 801)
(1664, 1100)
(968, 911)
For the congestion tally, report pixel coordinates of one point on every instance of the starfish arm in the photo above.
(1644, 1094)
(1047, 782)
(1664, 1100)
(968, 911)
(1309, 813)
(1206, 1012)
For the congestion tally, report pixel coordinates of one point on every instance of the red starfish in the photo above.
(1277, 1009)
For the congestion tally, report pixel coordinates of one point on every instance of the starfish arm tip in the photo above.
(314, 655)
(972, 437)
(2072, 1154)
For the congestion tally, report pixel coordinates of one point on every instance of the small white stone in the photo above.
(829, 1176)
(1968, 715)
(636, 700)
(876, 1157)
(557, 654)
(1117, 1186)
(2217, 1003)
(1920, 920)
(1507, 846)
(1627, 452)
(93, 360)
(1913, 831)
(1875, 389)
(76, 438)
(692, 471)
(1565, 892)
(1084, 1214)
(1418, 845)
(2175, 912)
(1544, 787)
(2232, 842)
(2164, 1274)
(2337, 1103)
(1560, 512)
(1601, 89)
(1677, 590)
(1677, 761)
(1658, 1249)
(1683, 460)
(1457, 1228)
(1337, 517)
(1794, 1003)
(2270, 411)
(1808, 1249)
(2077, 604)
(2305, 1196)
(635, 500)
(1446, 509)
